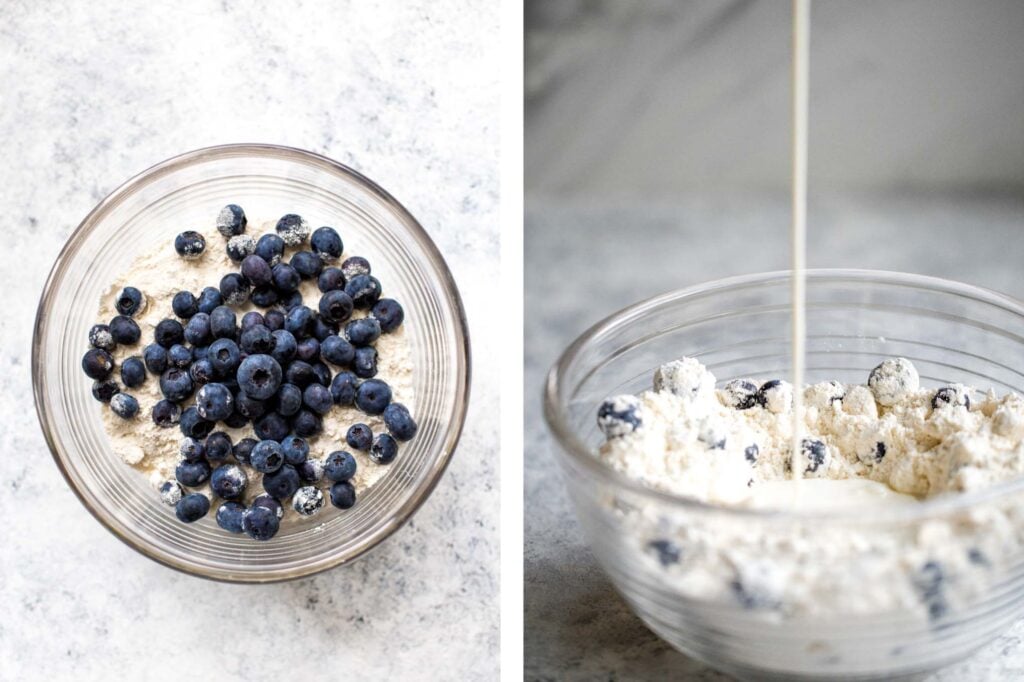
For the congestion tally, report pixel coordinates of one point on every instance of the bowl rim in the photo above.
(463, 360)
(583, 457)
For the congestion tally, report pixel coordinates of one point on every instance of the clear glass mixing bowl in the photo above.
(869, 593)
(268, 181)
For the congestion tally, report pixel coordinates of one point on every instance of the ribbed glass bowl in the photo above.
(909, 589)
(268, 181)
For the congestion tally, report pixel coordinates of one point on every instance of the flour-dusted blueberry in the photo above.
(192, 474)
(364, 290)
(270, 248)
(228, 482)
(330, 279)
(243, 449)
(355, 266)
(373, 396)
(168, 332)
(192, 424)
(105, 389)
(230, 516)
(100, 337)
(751, 453)
(815, 457)
(363, 331)
(179, 355)
(175, 384)
(192, 449)
(399, 422)
(880, 451)
(124, 406)
(289, 400)
(666, 551)
(260, 523)
(274, 319)
(125, 330)
(307, 264)
(198, 331)
(225, 356)
(259, 376)
(930, 582)
(190, 245)
(337, 351)
(266, 456)
(359, 437)
(365, 362)
(202, 372)
(712, 434)
(271, 426)
(308, 350)
(619, 416)
(257, 271)
(758, 585)
(185, 304)
(300, 373)
(192, 507)
(384, 449)
(343, 495)
(327, 244)
(258, 340)
(776, 395)
(339, 466)
(282, 483)
(307, 423)
(170, 492)
(311, 470)
(231, 221)
(223, 323)
(218, 447)
(264, 296)
(298, 321)
(268, 501)
(317, 398)
(285, 346)
(343, 388)
(295, 450)
(239, 247)
(389, 313)
(292, 229)
(133, 371)
(166, 414)
(97, 363)
(893, 380)
(307, 500)
(740, 394)
(234, 289)
(130, 301)
(336, 306)
(954, 395)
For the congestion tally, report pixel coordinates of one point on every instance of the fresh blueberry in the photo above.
(198, 331)
(307, 500)
(300, 373)
(268, 501)
(295, 450)
(129, 301)
(264, 296)
(364, 290)
(190, 245)
(317, 398)
(124, 330)
(359, 437)
(954, 395)
(740, 394)
(323, 374)
(100, 337)
(230, 516)
(389, 313)
(274, 319)
(336, 306)
(133, 371)
(234, 289)
(250, 320)
(326, 242)
(311, 470)
(289, 400)
(365, 363)
(231, 221)
(223, 323)
(286, 279)
(184, 304)
(307, 264)
(200, 352)
(619, 416)
(236, 420)
(323, 328)
(343, 388)
(257, 271)
(97, 363)
(175, 384)
(214, 402)
(192, 474)
(307, 423)
(330, 279)
(343, 495)
(166, 414)
(258, 340)
(399, 422)
(337, 351)
(168, 332)
(202, 372)
(339, 466)
(307, 350)
(271, 426)
(260, 523)
(270, 248)
(124, 406)
(192, 449)
(225, 356)
(363, 332)
(218, 447)
(192, 507)
(266, 456)
(179, 356)
(228, 482)
(105, 389)
(384, 449)
(298, 321)
(191, 424)
(355, 266)
(289, 301)
(242, 449)
(259, 376)
(240, 246)
(292, 229)
(282, 483)
(285, 346)
(170, 492)
(209, 299)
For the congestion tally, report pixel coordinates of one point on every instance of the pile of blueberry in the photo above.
(272, 369)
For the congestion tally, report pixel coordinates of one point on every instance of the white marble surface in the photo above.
(584, 261)
(94, 92)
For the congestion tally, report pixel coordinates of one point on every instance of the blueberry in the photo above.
(815, 453)
(168, 332)
(954, 395)
(260, 523)
(179, 356)
(365, 363)
(198, 331)
(307, 423)
(289, 400)
(240, 246)
(295, 450)
(740, 394)
(308, 350)
(97, 363)
(234, 289)
(286, 279)
(257, 271)
(100, 337)
(359, 436)
(184, 304)
(271, 426)
(225, 356)
(343, 495)
(124, 406)
(192, 473)
(124, 330)
(322, 328)
(384, 449)
(258, 340)
(323, 374)
(200, 352)
(317, 398)
(389, 313)
(619, 416)
(129, 301)
(274, 319)
(170, 492)
(264, 296)
(307, 264)
(343, 388)
(300, 373)
(259, 376)
(285, 346)
(307, 500)
(230, 516)
(243, 448)
(399, 422)
(270, 502)
(192, 449)
(667, 551)
(191, 424)
(339, 466)
(175, 384)
(336, 306)
(270, 248)
(236, 420)
(250, 320)
(202, 372)
(166, 414)
(751, 453)
(337, 351)
(298, 320)
(231, 221)
(330, 279)
(880, 450)
(209, 298)
(355, 266)
(326, 242)
(190, 245)
(223, 323)
(133, 371)
(311, 470)
(192, 507)
(214, 402)
(282, 483)
(266, 456)
(288, 301)
(292, 229)
(363, 332)
(775, 395)
(364, 290)
(228, 482)
(104, 389)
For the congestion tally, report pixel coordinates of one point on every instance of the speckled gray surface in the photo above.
(586, 262)
(94, 92)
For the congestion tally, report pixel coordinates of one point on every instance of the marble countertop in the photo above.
(585, 262)
(406, 93)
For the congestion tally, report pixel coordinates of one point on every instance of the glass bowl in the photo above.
(858, 594)
(268, 181)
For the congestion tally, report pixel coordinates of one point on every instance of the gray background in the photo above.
(94, 92)
(657, 158)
